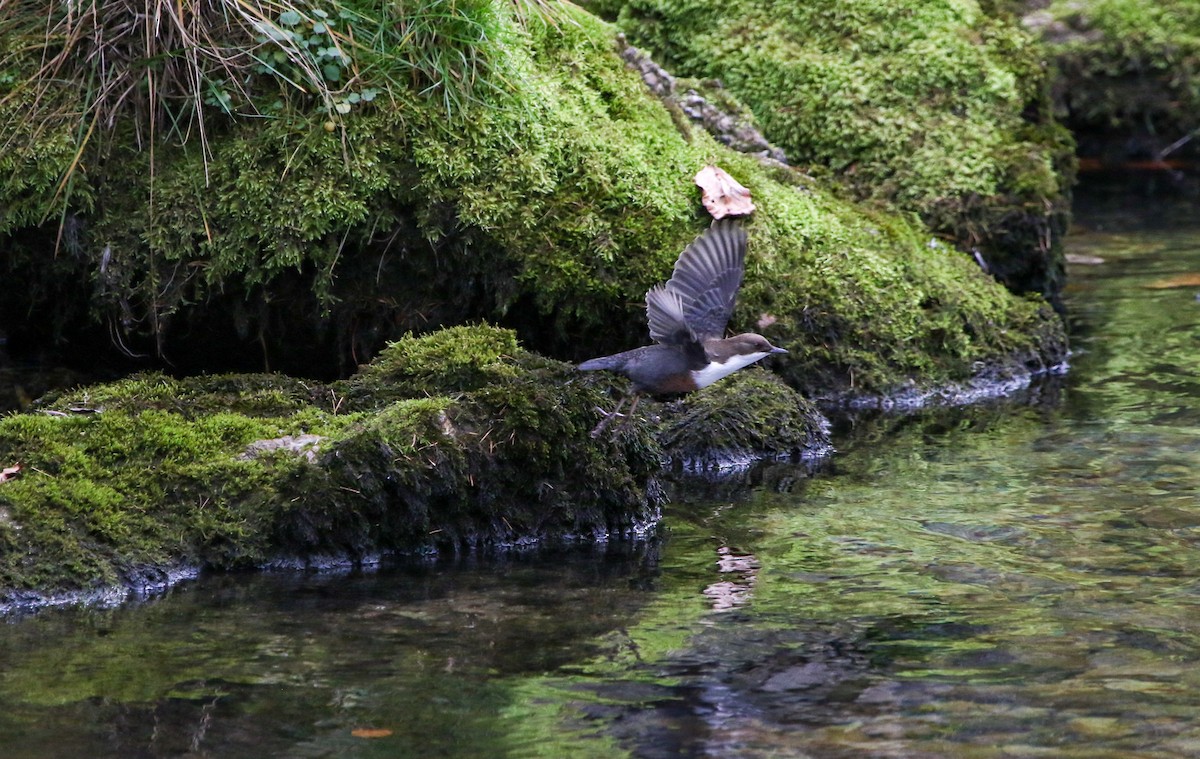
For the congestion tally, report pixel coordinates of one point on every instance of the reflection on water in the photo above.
(290, 665)
(1007, 580)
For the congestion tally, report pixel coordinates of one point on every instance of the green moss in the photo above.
(923, 105)
(749, 416)
(922, 99)
(252, 395)
(552, 207)
(32, 172)
(132, 477)
(450, 360)
(103, 492)
(502, 454)
(1126, 66)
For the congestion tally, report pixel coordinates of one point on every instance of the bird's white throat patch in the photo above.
(715, 371)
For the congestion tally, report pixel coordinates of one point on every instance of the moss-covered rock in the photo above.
(749, 416)
(121, 482)
(502, 451)
(550, 202)
(933, 107)
(107, 492)
(1128, 74)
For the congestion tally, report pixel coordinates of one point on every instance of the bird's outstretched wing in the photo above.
(667, 315)
(696, 303)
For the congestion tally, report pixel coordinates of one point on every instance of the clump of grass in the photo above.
(143, 71)
(152, 64)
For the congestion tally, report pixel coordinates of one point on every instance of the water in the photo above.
(1018, 579)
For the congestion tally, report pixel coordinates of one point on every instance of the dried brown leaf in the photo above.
(721, 194)
(1191, 279)
(367, 732)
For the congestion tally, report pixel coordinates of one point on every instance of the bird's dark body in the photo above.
(655, 369)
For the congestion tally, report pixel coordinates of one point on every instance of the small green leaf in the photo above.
(332, 73)
(320, 28)
(353, 97)
(320, 13)
(342, 107)
(369, 94)
(289, 18)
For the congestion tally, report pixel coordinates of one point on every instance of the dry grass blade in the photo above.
(142, 63)
(144, 72)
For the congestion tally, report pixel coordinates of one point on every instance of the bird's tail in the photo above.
(604, 362)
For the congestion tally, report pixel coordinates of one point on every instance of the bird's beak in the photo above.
(779, 350)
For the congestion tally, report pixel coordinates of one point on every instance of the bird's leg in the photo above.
(636, 397)
(614, 412)
(608, 415)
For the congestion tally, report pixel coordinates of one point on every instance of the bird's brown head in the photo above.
(745, 344)
(750, 342)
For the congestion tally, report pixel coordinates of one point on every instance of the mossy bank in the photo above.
(445, 443)
(1128, 76)
(455, 441)
(546, 196)
(548, 200)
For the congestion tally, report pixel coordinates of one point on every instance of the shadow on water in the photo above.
(1018, 578)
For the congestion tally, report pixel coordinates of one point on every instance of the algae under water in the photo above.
(1020, 578)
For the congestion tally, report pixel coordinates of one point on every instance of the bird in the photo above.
(687, 317)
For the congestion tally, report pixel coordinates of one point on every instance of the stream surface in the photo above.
(1016, 579)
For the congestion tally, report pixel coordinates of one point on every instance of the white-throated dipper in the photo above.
(687, 319)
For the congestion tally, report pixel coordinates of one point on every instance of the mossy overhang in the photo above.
(1127, 76)
(551, 204)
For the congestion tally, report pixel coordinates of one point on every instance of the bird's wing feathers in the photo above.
(702, 289)
(667, 315)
